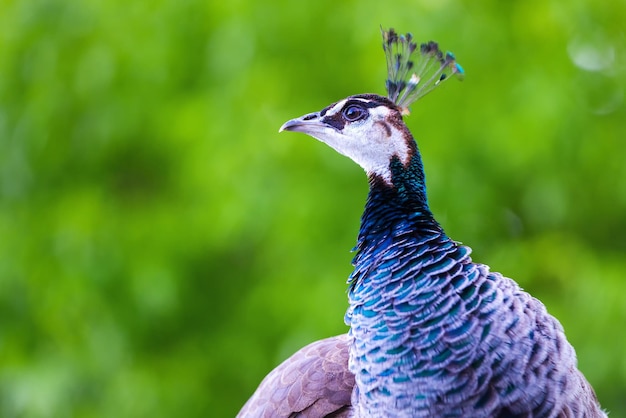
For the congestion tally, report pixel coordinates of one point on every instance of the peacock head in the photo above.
(368, 128)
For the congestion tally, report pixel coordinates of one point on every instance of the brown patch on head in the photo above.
(395, 120)
(385, 127)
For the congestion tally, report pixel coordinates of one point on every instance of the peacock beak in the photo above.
(307, 124)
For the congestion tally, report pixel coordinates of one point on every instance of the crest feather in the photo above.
(409, 80)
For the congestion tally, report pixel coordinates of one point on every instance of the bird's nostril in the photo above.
(310, 116)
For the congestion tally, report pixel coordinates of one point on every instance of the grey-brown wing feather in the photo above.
(312, 383)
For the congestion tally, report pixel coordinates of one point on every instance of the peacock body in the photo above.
(432, 334)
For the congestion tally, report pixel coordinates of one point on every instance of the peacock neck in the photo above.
(403, 200)
(401, 272)
(395, 212)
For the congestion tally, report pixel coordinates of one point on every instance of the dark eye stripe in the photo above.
(337, 120)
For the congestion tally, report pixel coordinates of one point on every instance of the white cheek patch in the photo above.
(371, 143)
(379, 151)
(368, 145)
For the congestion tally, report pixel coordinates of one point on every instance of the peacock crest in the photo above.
(410, 80)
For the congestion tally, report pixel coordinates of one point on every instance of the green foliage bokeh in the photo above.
(162, 248)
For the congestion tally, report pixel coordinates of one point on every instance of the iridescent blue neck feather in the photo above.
(400, 280)
(404, 201)
(434, 334)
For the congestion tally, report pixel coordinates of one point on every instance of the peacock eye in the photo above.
(353, 113)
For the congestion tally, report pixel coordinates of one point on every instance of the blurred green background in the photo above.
(162, 247)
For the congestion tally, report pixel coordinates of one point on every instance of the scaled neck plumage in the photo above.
(396, 210)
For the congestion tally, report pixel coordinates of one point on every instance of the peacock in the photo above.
(432, 333)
